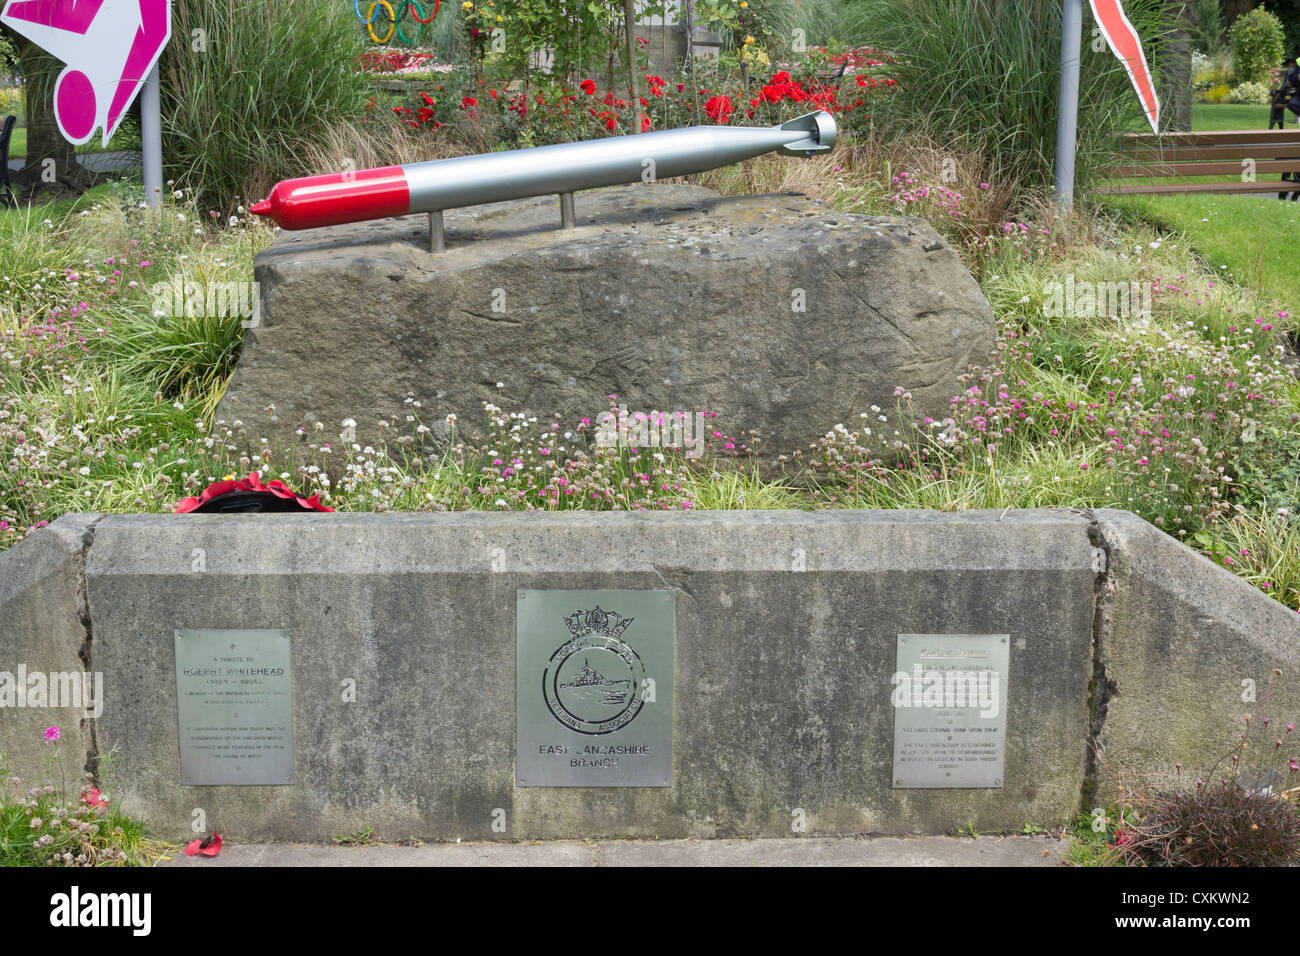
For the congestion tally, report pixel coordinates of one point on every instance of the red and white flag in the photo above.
(1127, 45)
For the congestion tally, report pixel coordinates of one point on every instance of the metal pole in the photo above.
(437, 235)
(1067, 119)
(151, 138)
(568, 219)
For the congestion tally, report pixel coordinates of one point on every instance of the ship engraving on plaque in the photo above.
(594, 691)
(234, 705)
(581, 696)
(950, 710)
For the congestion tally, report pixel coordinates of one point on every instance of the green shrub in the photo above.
(1250, 94)
(11, 101)
(1258, 42)
(984, 76)
(247, 87)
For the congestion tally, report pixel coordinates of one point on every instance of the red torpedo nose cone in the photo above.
(337, 198)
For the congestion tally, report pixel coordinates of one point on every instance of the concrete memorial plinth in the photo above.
(777, 313)
(770, 680)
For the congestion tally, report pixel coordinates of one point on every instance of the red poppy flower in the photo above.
(94, 798)
(588, 87)
(209, 847)
(645, 124)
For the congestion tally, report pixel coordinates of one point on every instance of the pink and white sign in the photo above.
(109, 47)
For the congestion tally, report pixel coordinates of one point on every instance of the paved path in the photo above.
(110, 162)
(812, 851)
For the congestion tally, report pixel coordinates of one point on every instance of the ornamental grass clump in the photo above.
(1243, 812)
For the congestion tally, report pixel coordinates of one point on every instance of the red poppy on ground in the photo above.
(209, 847)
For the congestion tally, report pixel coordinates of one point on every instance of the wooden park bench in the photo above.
(1223, 155)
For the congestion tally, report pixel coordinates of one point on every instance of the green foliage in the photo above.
(48, 825)
(581, 36)
(1258, 44)
(247, 88)
(1092, 839)
(1208, 36)
(984, 76)
(365, 837)
(8, 55)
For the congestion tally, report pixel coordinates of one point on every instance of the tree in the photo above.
(1258, 42)
(51, 167)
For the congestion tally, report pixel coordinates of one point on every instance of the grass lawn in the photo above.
(15, 221)
(123, 139)
(1245, 237)
(1207, 117)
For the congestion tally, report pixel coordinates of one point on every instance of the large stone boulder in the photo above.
(777, 313)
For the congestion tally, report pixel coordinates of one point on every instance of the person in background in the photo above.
(1281, 94)
(1286, 96)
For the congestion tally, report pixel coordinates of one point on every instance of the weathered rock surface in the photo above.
(777, 313)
